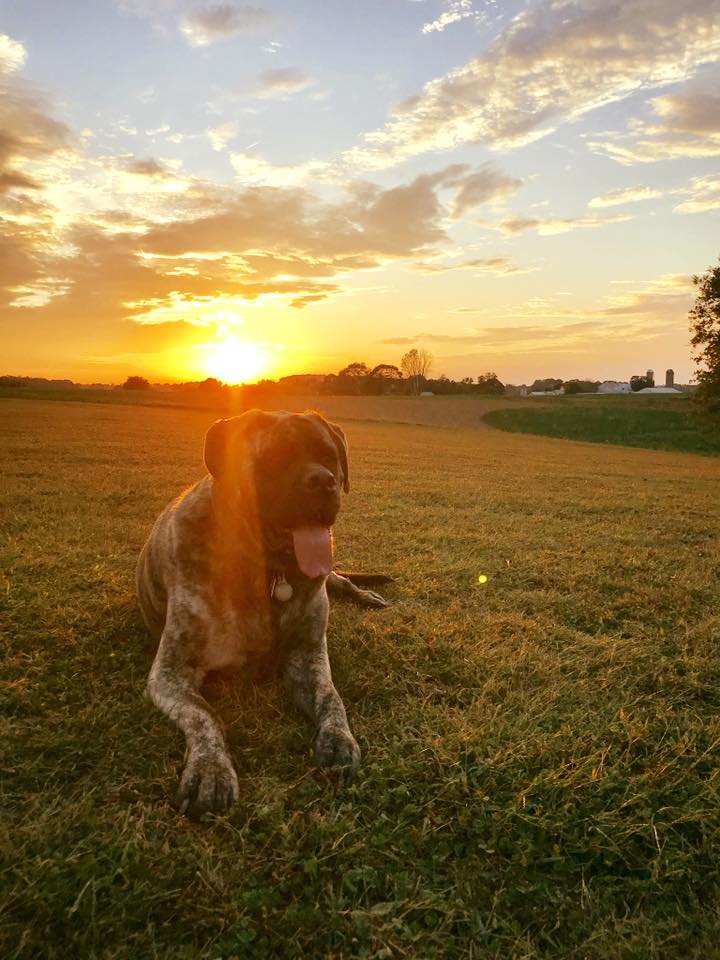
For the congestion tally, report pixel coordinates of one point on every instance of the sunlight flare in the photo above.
(236, 361)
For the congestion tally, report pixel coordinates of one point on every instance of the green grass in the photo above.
(541, 754)
(629, 421)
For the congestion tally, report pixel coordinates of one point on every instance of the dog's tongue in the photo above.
(313, 550)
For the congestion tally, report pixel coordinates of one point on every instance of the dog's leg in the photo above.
(208, 783)
(306, 675)
(344, 587)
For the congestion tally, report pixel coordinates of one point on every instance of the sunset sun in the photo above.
(236, 361)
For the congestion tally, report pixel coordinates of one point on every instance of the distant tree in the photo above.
(416, 365)
(488, 383)
(386, 371)
(355, 370)
(581, 386)
(136, 383)
(382, 379)
(549, 383)
(468, 381)
(638, 382)
(705, 328)
(210, 385)
(443, 385)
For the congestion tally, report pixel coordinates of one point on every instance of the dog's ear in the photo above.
(216, 447)
(224, 449)
(340, 441)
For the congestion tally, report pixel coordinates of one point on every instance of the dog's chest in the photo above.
(239, 632)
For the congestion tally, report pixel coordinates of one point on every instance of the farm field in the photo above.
(541, 753)
(653, 423)
(449, 411)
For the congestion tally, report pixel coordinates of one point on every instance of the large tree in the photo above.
(416, 366)
(355, 370)
(705, 329)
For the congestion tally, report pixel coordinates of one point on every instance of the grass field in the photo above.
(541, 772)
(653, 423)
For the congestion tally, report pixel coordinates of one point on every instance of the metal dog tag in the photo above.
(281, 589)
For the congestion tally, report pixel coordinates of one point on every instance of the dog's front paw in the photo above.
(337, 753)
(368, 598)
(208, 784)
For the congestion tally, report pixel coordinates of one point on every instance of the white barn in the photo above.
(612, 386)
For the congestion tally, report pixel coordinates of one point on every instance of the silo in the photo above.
(669, 378)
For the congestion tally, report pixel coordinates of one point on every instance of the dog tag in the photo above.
(282, 590)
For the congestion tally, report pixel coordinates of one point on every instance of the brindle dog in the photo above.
(236, 570)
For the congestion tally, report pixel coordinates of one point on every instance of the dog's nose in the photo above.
(321, 480)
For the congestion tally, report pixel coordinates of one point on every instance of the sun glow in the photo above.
(236, 361)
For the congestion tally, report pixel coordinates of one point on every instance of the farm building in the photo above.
(659, 390)
(612, 386)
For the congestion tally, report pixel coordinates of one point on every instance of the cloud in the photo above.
(223, 20)
(220, 136)
(648, 313)
(146, 168)
(694, 113)
(556, 60)
(685, 125)
(498, 266)
(625, 195)
(35, 153)
(12, 54)
(283, 82)
(550, 226)
(251, 169)
(169, 246)
(703, 195)
(457, 10)
(488, 184)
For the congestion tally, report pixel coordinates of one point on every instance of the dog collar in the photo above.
(280, 589)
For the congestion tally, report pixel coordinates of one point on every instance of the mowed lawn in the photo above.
(541, 752)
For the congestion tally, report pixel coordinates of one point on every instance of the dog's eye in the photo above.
(324, 454)
(274, 458)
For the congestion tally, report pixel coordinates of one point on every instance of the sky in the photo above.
(242, 190)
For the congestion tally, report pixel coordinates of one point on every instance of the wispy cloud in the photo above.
(283, 82)
(645, 314)
(702, 195)
(251, 169)
(223, 20)
(555, 62)
(220, 136)
(456, 10)
(487, 185)
(685, 125)
(497, 266)
(550, 226)
(625, 195)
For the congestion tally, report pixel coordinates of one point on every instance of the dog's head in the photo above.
(282, 474)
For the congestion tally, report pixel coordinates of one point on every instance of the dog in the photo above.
(235, 573)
